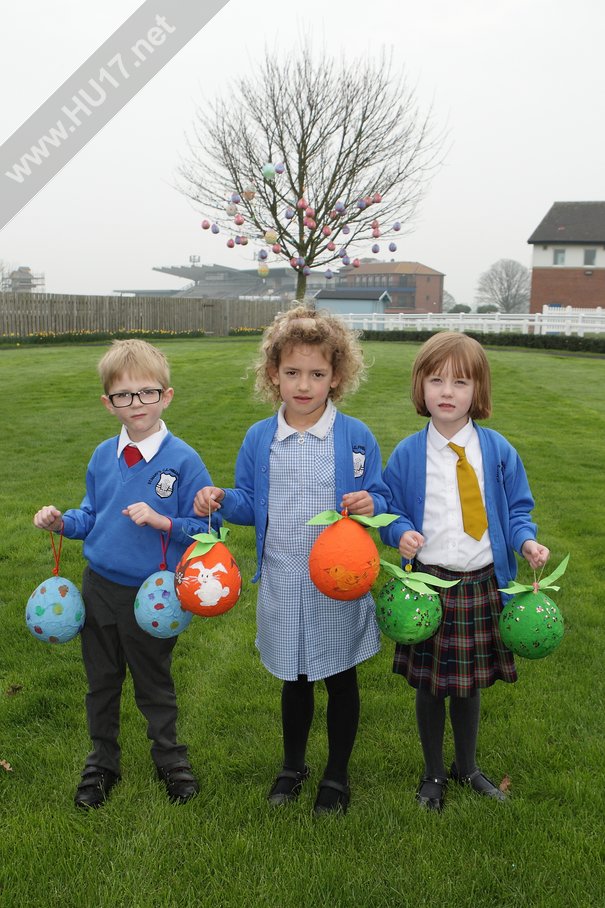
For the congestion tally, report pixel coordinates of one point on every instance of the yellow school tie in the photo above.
(474, 518)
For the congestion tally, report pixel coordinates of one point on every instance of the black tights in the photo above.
(297, 703)
(464, 716)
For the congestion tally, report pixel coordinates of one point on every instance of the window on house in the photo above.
(558, 257)
(590, 256)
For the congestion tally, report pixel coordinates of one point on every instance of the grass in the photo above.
(544, 848)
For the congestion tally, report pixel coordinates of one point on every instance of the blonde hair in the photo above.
(136, 357)
(466, 358)
(303, 325)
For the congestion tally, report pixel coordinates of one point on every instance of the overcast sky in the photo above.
(518, 84)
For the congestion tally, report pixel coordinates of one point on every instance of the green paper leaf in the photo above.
(205, 541)
(381, 520)
(545, 584)
(325, 518)
(417, 580)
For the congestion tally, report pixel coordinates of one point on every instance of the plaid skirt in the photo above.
(467, 652)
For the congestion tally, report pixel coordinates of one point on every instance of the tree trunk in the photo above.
(301, 286)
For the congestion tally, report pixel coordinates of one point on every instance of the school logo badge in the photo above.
(359, 460)
(165, 484)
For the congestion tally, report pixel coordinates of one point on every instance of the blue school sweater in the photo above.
(114, 545)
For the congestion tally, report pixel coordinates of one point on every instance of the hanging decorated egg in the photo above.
(405, 616)
(157, 608)
(346, 229)
(249, 192)
(339, 207)
(289, 213)
(263, 270)
(310, 212)
(356, 263)
(270, 237)
(268, 171)
(377, 198)
(306, 270)
(326, 230)
(361, 204)
(235, 198)
(279, 168)
(276, 248)
(331, 246)
(205, 224)
(392, 247)
(239, 219)
(215, 228)
(302, 203)
(376, 232)
(397, 226)
(375, 248)
(344, 562)
(231, 209)
(243, 240)
(328, 274)
(531, 625)
(55, 611)
(263, 254)
(408, 609)
(207, 579)
(346, 260)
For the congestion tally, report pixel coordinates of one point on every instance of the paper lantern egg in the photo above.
(157, 608)
(406, 616)
(208, 584)
(531, 625)
(344, 561)
(55, 611)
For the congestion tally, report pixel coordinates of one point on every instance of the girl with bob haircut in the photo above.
(306, 458)
(451, 384)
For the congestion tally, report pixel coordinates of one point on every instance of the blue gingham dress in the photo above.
(299, 630)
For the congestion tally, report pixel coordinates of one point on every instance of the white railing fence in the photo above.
(552, 320)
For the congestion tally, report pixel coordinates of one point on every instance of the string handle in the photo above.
(164, 542)
(56, 549)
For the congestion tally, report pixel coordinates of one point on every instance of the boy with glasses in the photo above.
(140, 487)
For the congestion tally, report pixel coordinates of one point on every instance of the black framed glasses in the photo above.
(146, 396)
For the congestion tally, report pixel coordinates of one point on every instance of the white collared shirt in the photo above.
(149, 447)
(320, 429)
(446, 543)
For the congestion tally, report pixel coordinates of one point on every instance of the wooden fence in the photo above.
(23, 314)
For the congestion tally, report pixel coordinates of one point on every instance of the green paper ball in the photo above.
(406, 616)
(531, 625)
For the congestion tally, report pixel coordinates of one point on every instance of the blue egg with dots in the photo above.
(55, 611)
(157, 609)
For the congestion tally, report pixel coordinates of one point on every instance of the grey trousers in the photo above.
(111, 641)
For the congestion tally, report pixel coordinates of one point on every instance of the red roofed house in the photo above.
(568, 267)
(411, 286)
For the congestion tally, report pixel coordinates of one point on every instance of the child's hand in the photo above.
(360, 503)
(144, 516)
(48, 518)
(206, 501)
(409, 544)
(535, 554)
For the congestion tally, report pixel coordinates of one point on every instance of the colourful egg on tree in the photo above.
(55, 611)
(207, 579)
(157, 608)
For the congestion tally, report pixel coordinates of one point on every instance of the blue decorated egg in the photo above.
(55, 611)
(157, 609)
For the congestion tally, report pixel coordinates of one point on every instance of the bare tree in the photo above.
(506, 286)
(352, 152)
(448, 301)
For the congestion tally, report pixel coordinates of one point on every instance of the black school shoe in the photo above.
(94, 787)
(479, 783)
(287, 786)
(430, 793)
(179, 781)
(332, 797)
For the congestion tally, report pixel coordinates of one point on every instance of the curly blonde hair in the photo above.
(306, 326)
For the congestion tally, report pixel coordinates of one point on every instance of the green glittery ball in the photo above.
(406, 616)
(531, 625)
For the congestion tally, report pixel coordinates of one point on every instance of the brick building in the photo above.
(411, 286)
(568, 266)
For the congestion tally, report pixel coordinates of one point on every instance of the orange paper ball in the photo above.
(344, 562)
(208, 584)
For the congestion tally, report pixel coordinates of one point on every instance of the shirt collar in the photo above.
(462, 437)
(320, 429)
(149, 447)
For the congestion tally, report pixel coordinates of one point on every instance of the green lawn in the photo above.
(545, 847)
